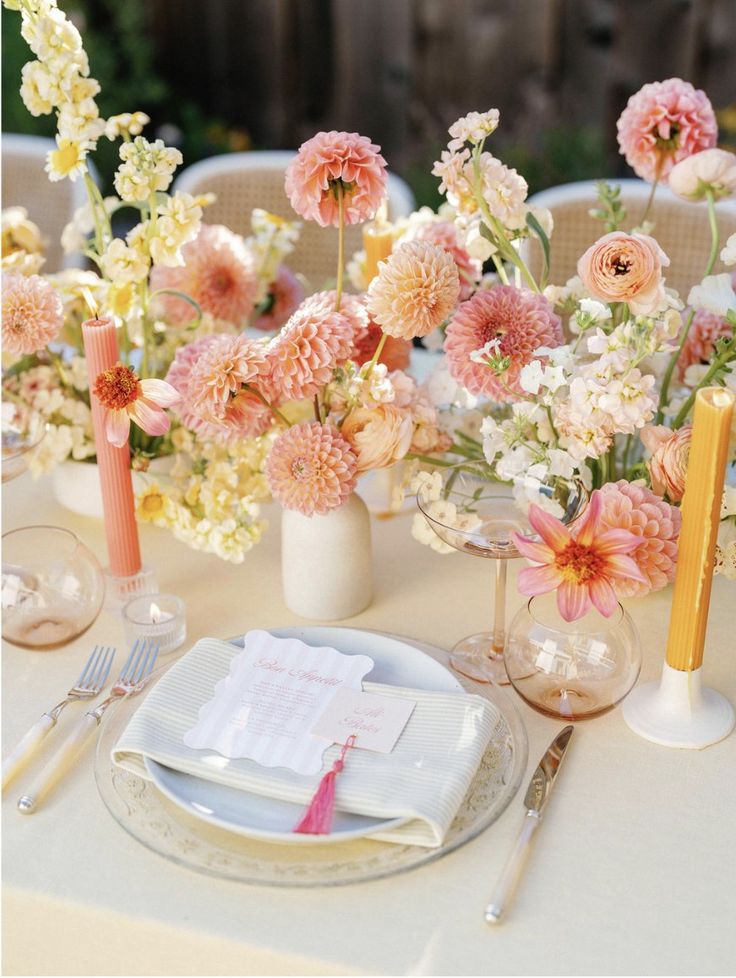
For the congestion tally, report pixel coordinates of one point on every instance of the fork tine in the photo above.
(104, 669)
(152, 663)
(126, 665)
(90, 665)
(133, 667)
(142, 668)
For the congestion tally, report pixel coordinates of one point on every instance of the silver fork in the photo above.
(91, 680)
(133, 677)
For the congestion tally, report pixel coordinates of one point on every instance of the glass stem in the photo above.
(499, 614)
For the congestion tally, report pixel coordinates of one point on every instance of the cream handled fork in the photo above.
(91, 680)
(133, 677)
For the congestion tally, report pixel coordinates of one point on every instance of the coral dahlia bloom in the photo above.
(415, 290)
(582, 563)
(218, 272)
(663, 123)
(519, 320)
(444, 234)
(311, 468)
(656, 524)
(303, 356)
(284, 295)
(396, 353)
(33, 313)
(627, 268)
(705, 330)
(331, 160)
(670, 454)
(125, 398)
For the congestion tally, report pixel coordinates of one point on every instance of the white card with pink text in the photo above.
(267, 705)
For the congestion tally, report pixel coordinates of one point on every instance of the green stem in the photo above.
(714, 236)
(717, 365)
(317, 411)
(650, 200)
(376, 355)
(501, 270)
(92, 195)
(274, 410)
(627, 449)
(340, 245)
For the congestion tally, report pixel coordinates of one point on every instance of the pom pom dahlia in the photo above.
(302, 357)
(218, 272)
(518, 320)
(444, 234)
(33, 313)
(638, 510)
(663, 123)
(415, 290)
(311, 468)
(331, 160)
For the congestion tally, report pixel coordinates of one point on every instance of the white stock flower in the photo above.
(423, 533)
(146, 168)
(80, 120)
(39, 89)
(123, 264)
(126, 124)
(477, 245)
(473, 128)
(728, 254)
(428, 483)
(504, 190)
(715, 293)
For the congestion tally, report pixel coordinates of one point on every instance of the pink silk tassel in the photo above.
(101, 351)
(317, 818)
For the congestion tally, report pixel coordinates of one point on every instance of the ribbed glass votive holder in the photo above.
(159, 617)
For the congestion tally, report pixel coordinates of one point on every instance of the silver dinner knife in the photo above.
(535, 799)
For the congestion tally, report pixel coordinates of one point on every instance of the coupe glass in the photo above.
(52, 586)
(476, 514)
(571, 670)
(23, 430)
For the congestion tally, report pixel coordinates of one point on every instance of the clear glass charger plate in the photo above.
(168, 830)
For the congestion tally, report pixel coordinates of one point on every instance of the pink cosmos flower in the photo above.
(582, 563)
(218, 272)
(670, 454)
(127, 398)
(331, 160)
(302, 357)
(705, 330)
(33, 313)
(517, 320)
(663, 123)
(444, 234)
(627, 268)
(224, 384)
(416, 289)
(311, 468)
(656, 524)
(284, 295)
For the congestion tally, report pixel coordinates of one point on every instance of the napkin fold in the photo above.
(424, 779)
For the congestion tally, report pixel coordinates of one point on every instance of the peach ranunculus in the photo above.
(713, 169)
(668, 464)
(627, 268)
(379, 435)
(331, 161)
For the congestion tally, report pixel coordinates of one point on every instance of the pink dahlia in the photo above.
(706, 329)
(663, 123)
(444, 234)
(519, 320)
(224, 383)
(125, 398)
(284, 295)
(218, 273)
(33, 313)
(178, 376)
(396, 353)
(330, 161)
(302, 357)
(415, 290)
(656, 524)
(311, 468)
(582, 563)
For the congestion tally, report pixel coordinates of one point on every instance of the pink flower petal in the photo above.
(573, 600)
(149, 417)
(620, 565)
(537, 580)
(117, 427)
(550, 529)
(617, 541)
(538, 552)
(603, 596)
(160, 393)
(588, 525)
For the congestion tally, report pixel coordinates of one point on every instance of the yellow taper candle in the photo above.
(378, 243)
(701, 507)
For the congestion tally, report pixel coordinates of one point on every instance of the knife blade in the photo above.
(535, 801)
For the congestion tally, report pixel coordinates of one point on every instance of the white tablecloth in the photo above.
(632, 872)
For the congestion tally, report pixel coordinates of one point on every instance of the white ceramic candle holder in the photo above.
(679, 711)
(158, 617)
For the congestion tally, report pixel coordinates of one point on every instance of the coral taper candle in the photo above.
(701, 507)
(101, 351)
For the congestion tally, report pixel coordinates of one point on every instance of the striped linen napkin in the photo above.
(424, 778)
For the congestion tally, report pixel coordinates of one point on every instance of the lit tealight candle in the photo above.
(159, 617)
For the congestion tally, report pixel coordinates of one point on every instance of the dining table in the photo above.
(632, 871)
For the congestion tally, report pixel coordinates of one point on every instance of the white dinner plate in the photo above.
(271, 820)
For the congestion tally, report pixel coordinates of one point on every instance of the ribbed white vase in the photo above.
(327, 561)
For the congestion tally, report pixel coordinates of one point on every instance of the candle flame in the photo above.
(155, 613)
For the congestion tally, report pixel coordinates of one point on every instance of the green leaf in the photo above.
(537, 228)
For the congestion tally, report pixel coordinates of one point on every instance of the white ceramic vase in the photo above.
(76, 485)
(327, 561)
